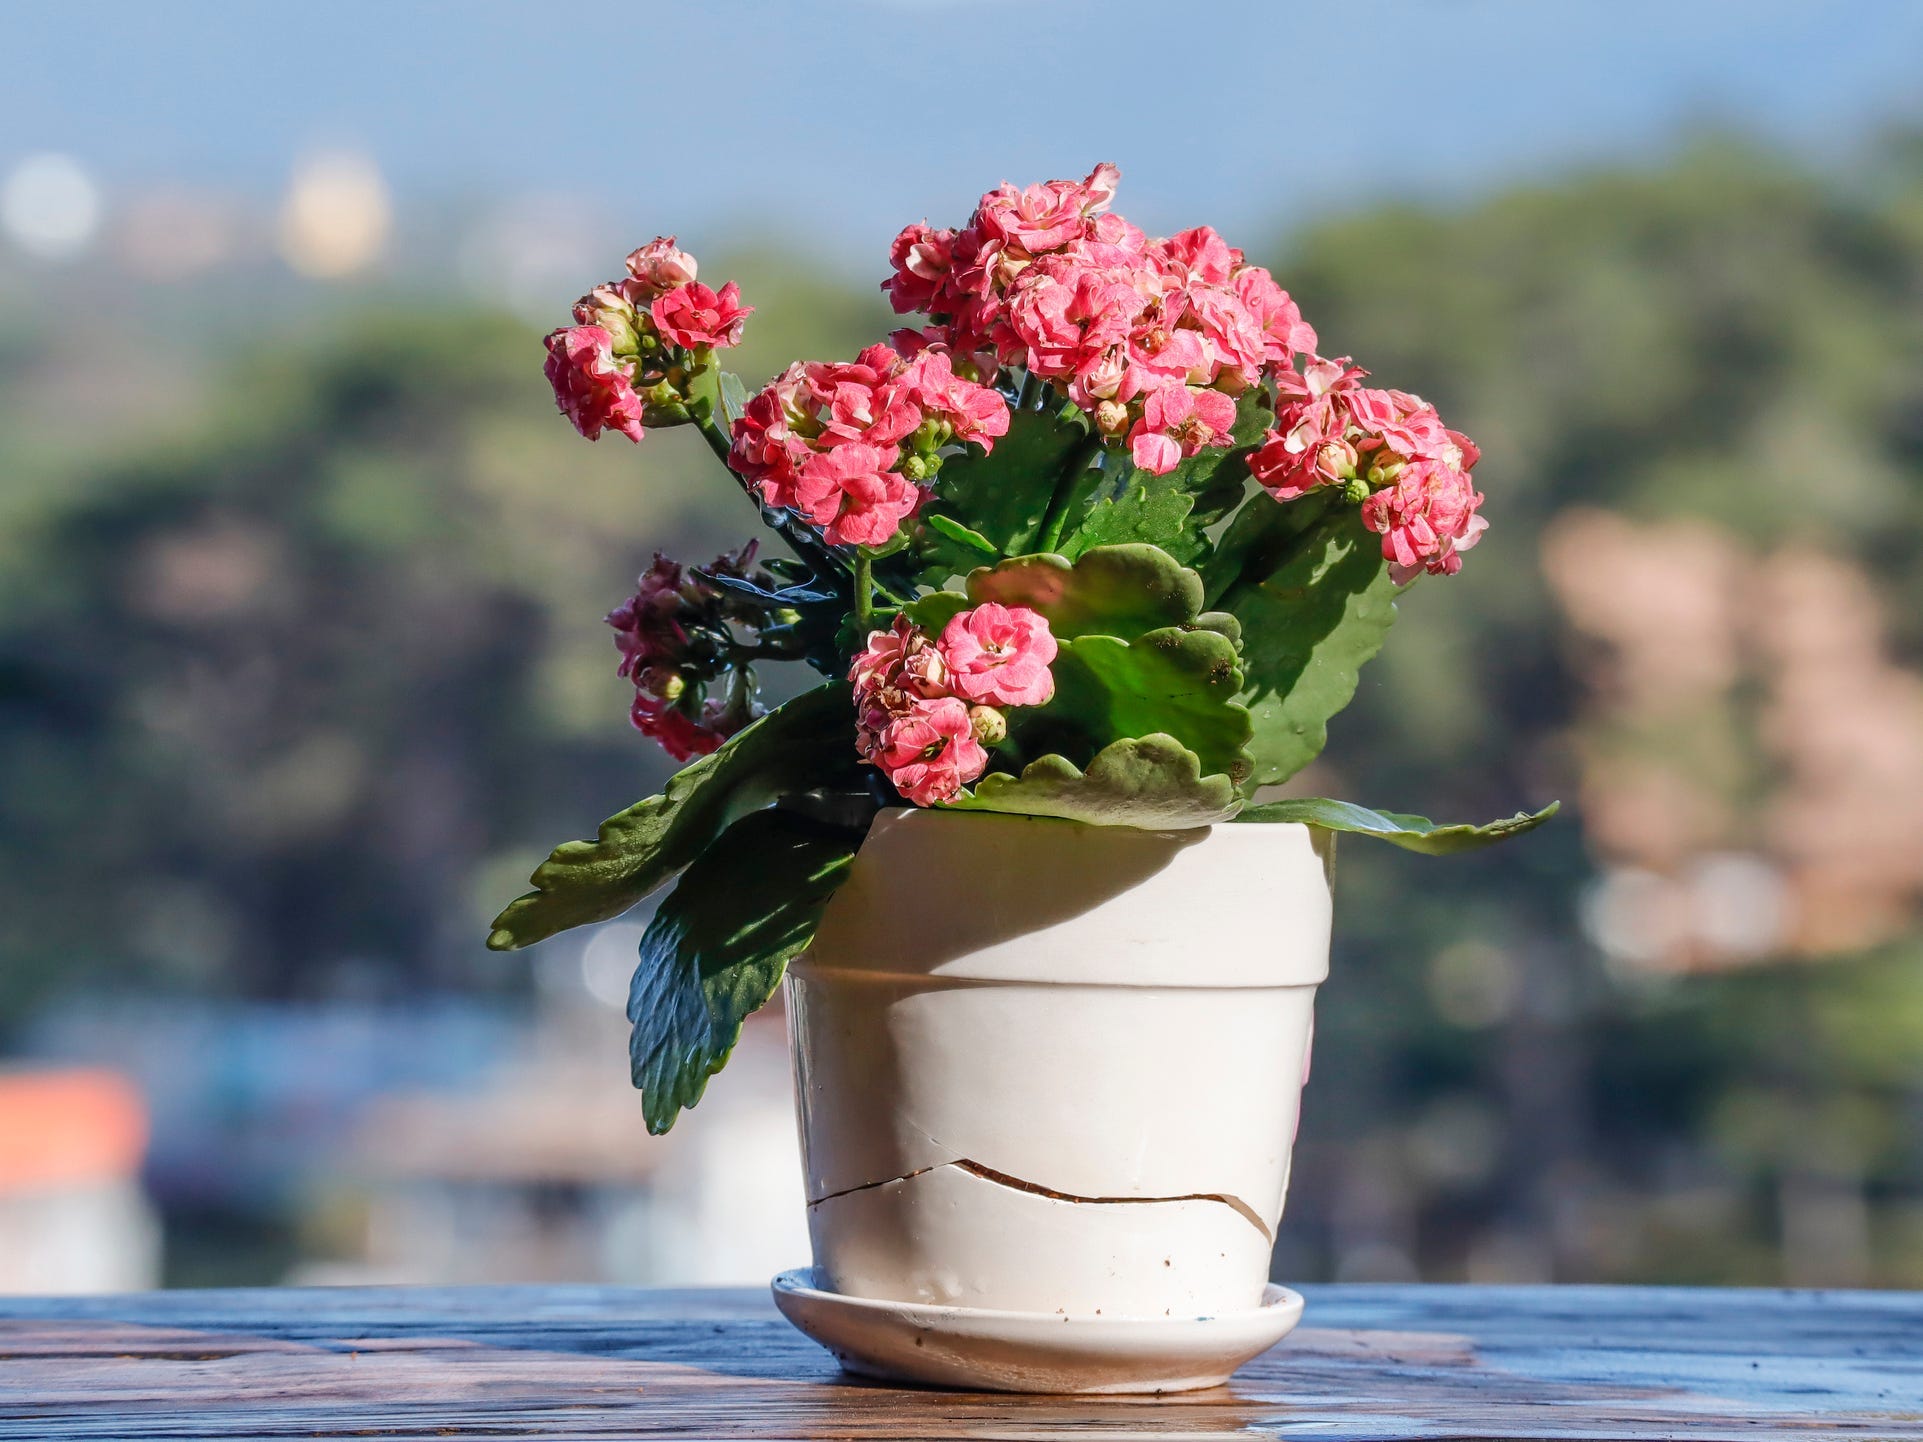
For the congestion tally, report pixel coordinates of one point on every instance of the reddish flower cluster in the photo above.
(675, 641)
(850, 447)
(1152, 338)
(926, 708)
(625, 359)
(1409, 470)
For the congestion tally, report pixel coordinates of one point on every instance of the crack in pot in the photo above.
(1003, 1179)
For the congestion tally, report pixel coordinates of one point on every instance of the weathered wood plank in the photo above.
(599, 1363)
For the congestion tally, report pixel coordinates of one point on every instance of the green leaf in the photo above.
(1172, 681)
(732, 396)
(804, 744)
(1153, 782)
(718, 945)
(1174, 510)
(935, 610)
(1308, 625)
(1110, 590)
(955, 531)
(1003, 496)
(1412, 833)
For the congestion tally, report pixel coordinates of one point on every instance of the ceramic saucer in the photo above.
(984, 1350)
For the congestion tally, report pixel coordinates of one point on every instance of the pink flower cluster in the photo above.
(674, 640)
(850, 446)
(927, 708)
(1409, 470)
(1154, 339)
(624, 359)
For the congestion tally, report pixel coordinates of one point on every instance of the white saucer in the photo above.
(984, 1350)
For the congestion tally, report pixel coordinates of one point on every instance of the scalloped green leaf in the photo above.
(1109, 590)
(804, 744)
(718, 946)
(1153, 782)
(1411, 833)
(1174, 510)
(1173, 681)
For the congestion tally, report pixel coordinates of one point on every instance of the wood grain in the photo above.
(597, 1362)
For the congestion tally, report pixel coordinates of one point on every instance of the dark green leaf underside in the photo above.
(717, 948)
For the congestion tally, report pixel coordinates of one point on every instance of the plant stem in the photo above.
(717, 439)
(864, 589)
(1055, 520)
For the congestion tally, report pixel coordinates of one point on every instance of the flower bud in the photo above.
(920, 468)
(663, 681)
(1111, 418)
(931, 435)
(1336, 460)
(1356, 491)
(660, 265)
(989, 725)
(1384, 467)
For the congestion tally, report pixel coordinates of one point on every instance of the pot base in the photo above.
(981, 1350)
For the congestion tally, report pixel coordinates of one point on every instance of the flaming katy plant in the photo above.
(1106, 538)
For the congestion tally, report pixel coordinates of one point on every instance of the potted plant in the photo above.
(1087, 561)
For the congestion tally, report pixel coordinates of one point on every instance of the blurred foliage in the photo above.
(299, 658)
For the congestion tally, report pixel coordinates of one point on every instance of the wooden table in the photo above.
(600, 1362)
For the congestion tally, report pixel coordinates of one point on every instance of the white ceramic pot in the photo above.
(1051, 1068)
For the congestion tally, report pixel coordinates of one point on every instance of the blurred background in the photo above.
(301, 665)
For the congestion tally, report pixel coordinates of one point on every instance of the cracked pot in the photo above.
(1048, 1067)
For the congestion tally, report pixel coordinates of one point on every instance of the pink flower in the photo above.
(647, 630)
(904, 658)
(923, 260)
(1404, 427)
(1053, 283)
(1161, 350)
(1045, 217)
(972, 412)
(612, 306)
(673, 635)
(1316, 440)
(930, 752)
(1235, 336)
(925, 708)
(676, 732)
(861, 403)
(1178, 422)
(1060, 311)
(1292, 463)
(853, 495)
(1000, 655)
(1426, 518)
(979, 367)
(691, 315)
(591, 387)
(1281, 323)
(659, 266)
(1200, 254)
(826, 439)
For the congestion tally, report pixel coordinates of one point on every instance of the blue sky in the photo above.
(835, 120)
